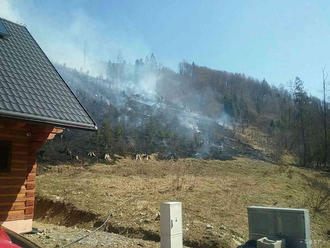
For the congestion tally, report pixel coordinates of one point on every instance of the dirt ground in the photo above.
(214, 194)
(51, 236)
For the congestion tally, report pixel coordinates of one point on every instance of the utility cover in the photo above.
(290, 224)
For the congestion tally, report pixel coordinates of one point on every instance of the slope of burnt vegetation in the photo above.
(197, 112)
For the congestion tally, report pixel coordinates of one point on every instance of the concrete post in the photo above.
(171, 225)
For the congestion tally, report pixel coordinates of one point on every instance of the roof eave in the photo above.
(47, 121)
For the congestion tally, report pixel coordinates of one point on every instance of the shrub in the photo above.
(318, 199)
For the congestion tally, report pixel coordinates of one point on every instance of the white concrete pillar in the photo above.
(171, 225)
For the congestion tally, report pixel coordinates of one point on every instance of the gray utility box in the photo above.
(290, 224)
(171, 225)
(268, 243)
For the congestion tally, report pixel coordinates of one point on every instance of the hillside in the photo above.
(219, 142)
(197, 112)
(214, 194)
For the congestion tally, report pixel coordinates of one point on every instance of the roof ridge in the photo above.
(15, 23)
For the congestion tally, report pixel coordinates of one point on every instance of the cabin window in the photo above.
(5, 156)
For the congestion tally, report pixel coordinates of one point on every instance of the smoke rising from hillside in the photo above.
(146, 93)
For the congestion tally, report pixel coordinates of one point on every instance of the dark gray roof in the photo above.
(30, 87)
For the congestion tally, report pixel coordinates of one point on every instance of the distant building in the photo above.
(35, 104)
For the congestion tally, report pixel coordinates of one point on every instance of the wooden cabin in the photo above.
(35, 105)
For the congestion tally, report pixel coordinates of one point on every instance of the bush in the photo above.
(318, 199)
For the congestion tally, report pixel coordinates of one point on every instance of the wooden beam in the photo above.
(11, 124)
(57, 130)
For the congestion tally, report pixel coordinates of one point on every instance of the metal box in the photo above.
(290, 224)
(171, 225)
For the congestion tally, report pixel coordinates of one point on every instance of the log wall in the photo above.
(17, 187)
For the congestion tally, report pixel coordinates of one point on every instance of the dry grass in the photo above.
(212, 192)
(318, 199)
(254, 137)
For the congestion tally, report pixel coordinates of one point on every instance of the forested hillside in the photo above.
(196, 112)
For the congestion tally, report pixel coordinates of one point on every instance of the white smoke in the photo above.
(7, 11)
(225, 120)
(148, 83)
(83, 43)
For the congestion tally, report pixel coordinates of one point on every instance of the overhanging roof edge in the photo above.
(46, 120)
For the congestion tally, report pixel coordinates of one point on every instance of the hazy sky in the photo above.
(276, 40)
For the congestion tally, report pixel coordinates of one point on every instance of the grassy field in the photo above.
(214, 194)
